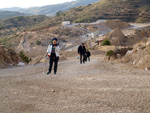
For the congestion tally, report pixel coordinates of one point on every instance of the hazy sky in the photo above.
(29, 3)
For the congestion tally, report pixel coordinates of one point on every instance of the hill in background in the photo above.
(51, 10)
(10, 26)
(16, 9)
(126, 10)
(7, 14)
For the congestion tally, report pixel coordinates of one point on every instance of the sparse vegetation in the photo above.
(24, 57)
(7, 41)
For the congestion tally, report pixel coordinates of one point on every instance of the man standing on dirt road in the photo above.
(82, 51)
(53, 54)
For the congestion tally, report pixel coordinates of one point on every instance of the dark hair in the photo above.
(55, 39)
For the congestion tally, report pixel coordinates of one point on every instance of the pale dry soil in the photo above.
(95, 87)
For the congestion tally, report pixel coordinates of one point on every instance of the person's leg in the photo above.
(83, 58)
(89, 59)
(55, 65)
(80, 58)
(50, 64)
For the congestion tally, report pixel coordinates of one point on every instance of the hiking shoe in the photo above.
(48, 73)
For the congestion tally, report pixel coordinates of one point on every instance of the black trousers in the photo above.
(88, 58)
(55, 60)
(82, 58)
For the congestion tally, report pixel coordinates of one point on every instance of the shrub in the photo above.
(109, 53)
(105, 42)
(35, 19)
(24, 57)
(38, 42)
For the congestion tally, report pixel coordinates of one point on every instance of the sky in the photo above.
(29, 3)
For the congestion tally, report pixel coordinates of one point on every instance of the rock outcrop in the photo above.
(8, 58)
(116, 37)
(139, 56)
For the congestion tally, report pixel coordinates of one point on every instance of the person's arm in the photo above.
(48, 50)
(85, 49)
(78, 49)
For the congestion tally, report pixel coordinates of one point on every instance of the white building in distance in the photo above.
(66, 23)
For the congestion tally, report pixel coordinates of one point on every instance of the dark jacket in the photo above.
(88, 54)
(81, 50)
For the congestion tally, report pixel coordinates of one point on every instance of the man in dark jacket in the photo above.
(82, 51)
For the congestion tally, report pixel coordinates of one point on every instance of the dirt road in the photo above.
(95, 87)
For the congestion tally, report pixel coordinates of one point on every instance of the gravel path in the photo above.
(95, 87)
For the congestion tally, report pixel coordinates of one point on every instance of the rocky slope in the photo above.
(8, 58)
(139, 56)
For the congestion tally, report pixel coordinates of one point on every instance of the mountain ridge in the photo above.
(51, 10)
(7, 14)
(126, 10)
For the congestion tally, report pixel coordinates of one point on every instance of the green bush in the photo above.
(24, 57)
(105, 42)
(109, 53)
(38, 42)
